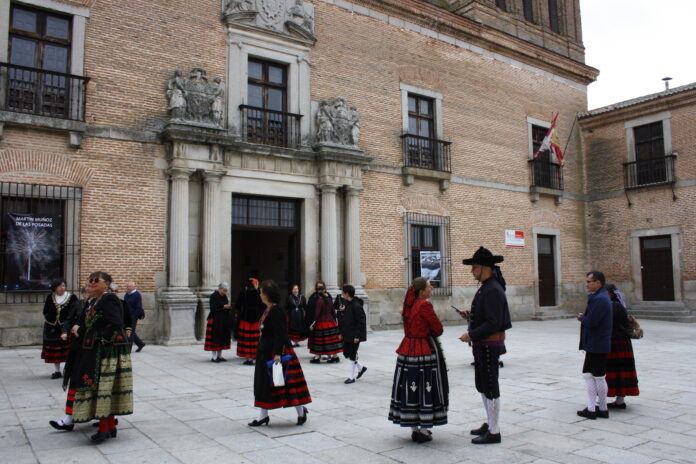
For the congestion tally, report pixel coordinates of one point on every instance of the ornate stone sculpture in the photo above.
(338, 124)
(290, 17)
(195, 100)
(240, 10)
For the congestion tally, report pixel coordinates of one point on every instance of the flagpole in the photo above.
(570, 134)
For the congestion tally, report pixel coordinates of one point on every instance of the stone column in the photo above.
(352, 245)
(329, 238)
(177, 302)
(210, 249)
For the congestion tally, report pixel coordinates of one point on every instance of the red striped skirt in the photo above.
(247, 339)
(209, 344)
(326, 338)
(294, 393)
(622, 379)
(55, 351)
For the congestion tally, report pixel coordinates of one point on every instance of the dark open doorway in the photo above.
(656, 268)
(265, 240)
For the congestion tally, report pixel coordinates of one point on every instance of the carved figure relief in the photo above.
(194, 99)
(336, 123)
(291, 17)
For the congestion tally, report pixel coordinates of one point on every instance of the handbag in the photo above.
(634, 330)
(276, 372)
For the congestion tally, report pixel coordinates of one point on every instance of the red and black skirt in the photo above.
(54, 349)
(326, 338)
(213, 341)
(622, 379)
(294, 393)
(247, 339)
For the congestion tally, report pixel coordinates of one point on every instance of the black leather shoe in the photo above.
(423, 437)
(334, 360)
(615, 405)
(303, 418)
(140, 348)
(481, 430)
(586, 413)
(100, 436)
(56, 375)
(248, 362)
(258, 423)
(362, 371)
(603, 414)
(349, 381)
(113, 433)
(315, 361)
(487, 438)
(60, 426)
(221, 359)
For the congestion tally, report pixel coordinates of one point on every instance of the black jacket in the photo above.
(353, 322)
(619, 327)
(489, 311)
(249, 306)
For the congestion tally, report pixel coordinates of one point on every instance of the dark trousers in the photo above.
(134, 336)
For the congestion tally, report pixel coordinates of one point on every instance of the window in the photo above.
(422, 149)
(428, 239)
(501, 4)
(39, 240)
(545, 171)
(553, 16)
(649, 141)
(264, 212)
(651, 165)
(528, 10)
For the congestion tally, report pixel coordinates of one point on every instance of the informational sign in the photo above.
(514, 238)
(431, 266)
(32, 254)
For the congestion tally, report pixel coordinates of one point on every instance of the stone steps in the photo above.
(552, 315)
(662, 311)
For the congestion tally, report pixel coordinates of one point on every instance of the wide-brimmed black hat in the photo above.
(484, 257)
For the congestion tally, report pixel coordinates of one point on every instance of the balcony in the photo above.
(545, 178)
(654, 171)
(270, 127)
(426, 153)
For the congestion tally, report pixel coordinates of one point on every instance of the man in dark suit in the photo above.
(134, 300)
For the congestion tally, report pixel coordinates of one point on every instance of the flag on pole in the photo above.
(550, 142)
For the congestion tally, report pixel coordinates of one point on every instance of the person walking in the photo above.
(489, 318)
(324, 335)
(58, 307)
(218, 330)
(134, 301)
(622, 380)
(296, 309)
(274, 346)
(595, 339)
(353, 325)
(99, 377)
(420, 391)
(249, 308)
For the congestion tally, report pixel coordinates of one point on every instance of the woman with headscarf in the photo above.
(218, 331)
(296, 310)
(420, 392)
(325, 337)
(99, 375)
(249, 309)
(274, 347)
(59, 305)
(622, 379)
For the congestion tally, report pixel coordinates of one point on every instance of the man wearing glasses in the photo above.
(595, 339)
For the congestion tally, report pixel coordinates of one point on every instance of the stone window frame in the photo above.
(244, 44)
(407, 89)
(557, 268)
(665, 117)
(444, 225)
(634, 255)
(530, 139)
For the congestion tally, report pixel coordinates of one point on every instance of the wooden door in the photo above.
(656, 268)
(547, 270)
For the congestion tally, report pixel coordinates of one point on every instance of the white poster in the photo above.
(431, 266)
(514, 238)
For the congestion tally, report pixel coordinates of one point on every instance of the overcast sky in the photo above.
(635, 43)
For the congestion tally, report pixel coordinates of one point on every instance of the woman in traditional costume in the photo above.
(59, 306)
(622, 379)
(296, 309)
(420, 393)
(218, 330)
(274, 345)
(325, 337)
(249, 309)
(98, 375)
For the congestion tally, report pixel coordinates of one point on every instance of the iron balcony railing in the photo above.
(42, 93)
(545, 174)
(270, 127)
(653, 171)
(426, 153)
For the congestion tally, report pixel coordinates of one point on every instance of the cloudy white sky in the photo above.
(635, 43)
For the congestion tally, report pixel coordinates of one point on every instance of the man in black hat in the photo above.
(489, 318)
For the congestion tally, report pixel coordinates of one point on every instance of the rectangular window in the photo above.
(649, 141)
(545, 171)
(651, 166)
(528, 10)
(422, 148)
(501, 4)
(264, 212)
(39, 240)
(553, 16)
(428, 238)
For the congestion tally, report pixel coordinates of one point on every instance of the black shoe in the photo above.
(113, 433)
(303, 418)
(100, 436)
(258, 423)
(315, 361)
(616, 405)
(588, 414)
(603, 414)
(362, 371)
(349, 381)
(423, 437)
(215, 360)
(473, 363)
(500, 364)
(56, 375)
(248, 362)
(60, 426)
(334, 360)
(140, 348)
(481, 430)
(221, 360)
(486, 438)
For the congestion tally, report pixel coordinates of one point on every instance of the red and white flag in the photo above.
(550, 143)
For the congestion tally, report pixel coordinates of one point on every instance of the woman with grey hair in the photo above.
(218, 331)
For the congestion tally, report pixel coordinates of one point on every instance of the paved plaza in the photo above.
(190, 410)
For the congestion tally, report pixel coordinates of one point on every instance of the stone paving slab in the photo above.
(189, 410)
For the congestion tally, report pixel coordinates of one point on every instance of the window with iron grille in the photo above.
(651, 166)
(545, 171)
(39, 240)
(428, 250)
(264, 212)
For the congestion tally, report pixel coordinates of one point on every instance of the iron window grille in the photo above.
(39, 240)
(651, 171)
(428, 242)
(264, 213)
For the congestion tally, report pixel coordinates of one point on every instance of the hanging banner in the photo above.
(32, 254)
(514, 238)
(431, 266)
